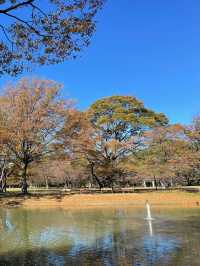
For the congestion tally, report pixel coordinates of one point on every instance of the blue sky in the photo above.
(148, 49)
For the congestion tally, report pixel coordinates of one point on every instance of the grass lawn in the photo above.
(166, 199)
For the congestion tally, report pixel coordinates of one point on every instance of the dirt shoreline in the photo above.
(166, 199)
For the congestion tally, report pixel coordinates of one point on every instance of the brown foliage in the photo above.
(34, 32)
(32, 116)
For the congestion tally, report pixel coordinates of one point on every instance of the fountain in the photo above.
(150, 227)
(149, 217)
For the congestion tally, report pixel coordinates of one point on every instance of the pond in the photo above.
(99, 237)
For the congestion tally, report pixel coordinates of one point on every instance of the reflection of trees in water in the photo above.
(6, 221)
(188, 253)
(1, 221)
(104, 238)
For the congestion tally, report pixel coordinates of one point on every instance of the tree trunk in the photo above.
(1, 186)
(24, 187)
(47, 183)
(2, 179)
(189, 181)
(112, 186)
(4, 183)
(68, 183)
(111, 183)
(155, 182)
(95, 177)
(98, 181)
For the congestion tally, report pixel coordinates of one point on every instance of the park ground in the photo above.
(164, 199)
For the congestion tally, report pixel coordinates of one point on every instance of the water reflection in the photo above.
(158, 247)
(114, 237)
(150, 228)
(5, 221)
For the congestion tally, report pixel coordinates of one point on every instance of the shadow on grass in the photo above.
(16, 199)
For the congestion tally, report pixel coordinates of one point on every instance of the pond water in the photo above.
(99, 237)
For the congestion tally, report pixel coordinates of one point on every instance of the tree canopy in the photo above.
(121, 117)
(32, 116)
(34, 32)
(45, 140)
(118, 124)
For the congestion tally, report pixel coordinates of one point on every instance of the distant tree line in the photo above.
(117, 142)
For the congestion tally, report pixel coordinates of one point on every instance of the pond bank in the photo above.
(166, 199)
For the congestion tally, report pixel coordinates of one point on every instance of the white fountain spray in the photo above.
(149, 217)
(150, 227)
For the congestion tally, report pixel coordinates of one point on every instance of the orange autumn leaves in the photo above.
(117, 141)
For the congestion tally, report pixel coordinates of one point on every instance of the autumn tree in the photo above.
(159, 160)
(37, 32)
(188, 163)
(80, 139)
(33, 116)
(193, 133)
(58, 173)
(6, 169)
(40, 173)
(70, 173)
(6, 158)
(118, 124)
(6, 166)
(75, 140)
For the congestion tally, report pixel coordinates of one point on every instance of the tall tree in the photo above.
(188, 163)
(163, 148)
(118, 124)
(75, 140)
(37, 32)
(33, 116)
(6, 158)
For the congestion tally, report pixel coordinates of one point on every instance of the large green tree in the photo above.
(118, 124)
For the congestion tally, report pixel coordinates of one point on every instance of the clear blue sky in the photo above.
(148, 49)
